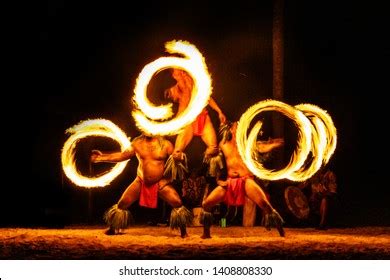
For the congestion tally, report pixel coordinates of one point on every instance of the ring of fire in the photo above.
(316, 134)
(95, 127)
(146, 113)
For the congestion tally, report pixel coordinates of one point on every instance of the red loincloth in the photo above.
(235, 193)
(199, 124)
(148, 195)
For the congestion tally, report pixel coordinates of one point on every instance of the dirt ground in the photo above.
(163, 243)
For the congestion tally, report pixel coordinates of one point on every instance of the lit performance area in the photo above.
(249, 130)
(227, 243)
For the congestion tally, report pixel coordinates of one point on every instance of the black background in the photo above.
(83, 58)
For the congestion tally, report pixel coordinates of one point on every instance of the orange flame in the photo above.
(95, 127)
(318, 136)
(146, 113)
(246, 145)
(331, 132)
(318, 145)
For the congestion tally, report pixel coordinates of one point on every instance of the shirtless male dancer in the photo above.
(152, 152)
(202, 126)
(240, 182)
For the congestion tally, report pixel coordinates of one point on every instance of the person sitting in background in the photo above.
(193, 189)
(323, 189)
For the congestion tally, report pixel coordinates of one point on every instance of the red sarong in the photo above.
(148, 195)
(235, 193)
(199, 124)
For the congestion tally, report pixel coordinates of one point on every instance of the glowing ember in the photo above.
(96, 127)
(147, 113)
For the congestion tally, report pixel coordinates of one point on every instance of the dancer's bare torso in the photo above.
(181, 92)
(235, 166)
(151, 154)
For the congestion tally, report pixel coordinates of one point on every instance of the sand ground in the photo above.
(147, 242)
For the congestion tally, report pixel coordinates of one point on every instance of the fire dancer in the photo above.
(240, 182)
(149, 184)
(202, 126)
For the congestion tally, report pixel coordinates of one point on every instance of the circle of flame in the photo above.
(316, 134)
(246, 144)
(324, 139)
(146, 113)
(318, 146)
(331, 132)
(94, 127)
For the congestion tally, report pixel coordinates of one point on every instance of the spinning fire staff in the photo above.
(316, 141)
(192, 92)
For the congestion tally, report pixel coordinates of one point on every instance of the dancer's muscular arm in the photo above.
(168, 147)
(215, 107)
(98, 156)
(267, 146)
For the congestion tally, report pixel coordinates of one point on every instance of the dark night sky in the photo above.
(88, 56)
